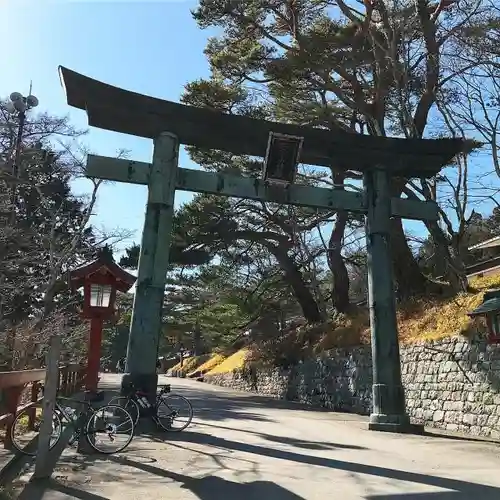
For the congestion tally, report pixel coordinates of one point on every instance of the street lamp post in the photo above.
(18, 104)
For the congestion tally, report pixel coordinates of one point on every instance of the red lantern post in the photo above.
(490, 309)
(100, 281)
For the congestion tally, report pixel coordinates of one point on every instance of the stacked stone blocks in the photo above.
(452, 384)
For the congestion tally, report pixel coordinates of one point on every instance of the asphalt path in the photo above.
(241, 446)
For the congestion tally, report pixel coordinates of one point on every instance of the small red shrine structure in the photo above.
(100, 281)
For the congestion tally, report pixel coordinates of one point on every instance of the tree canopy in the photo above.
(379, 68)
(44, 233)
(416, 69)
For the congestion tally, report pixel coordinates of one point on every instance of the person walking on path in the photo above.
(120, 366)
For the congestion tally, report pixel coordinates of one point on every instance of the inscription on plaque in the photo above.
(282, 157)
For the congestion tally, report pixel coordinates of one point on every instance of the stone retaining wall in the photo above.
(452, 384)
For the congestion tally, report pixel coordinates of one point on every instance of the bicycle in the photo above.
(110, 420)
(137, 403)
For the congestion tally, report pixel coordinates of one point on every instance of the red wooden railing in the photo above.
(17, 396)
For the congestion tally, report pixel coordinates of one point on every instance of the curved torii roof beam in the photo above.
(119, 110)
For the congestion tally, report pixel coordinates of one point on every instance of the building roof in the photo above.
(483, 267)
(491, 305)
(492, 242)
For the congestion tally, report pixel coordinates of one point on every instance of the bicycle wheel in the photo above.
(110, 429)
(129, 404)
(25, 438)
(174, 412)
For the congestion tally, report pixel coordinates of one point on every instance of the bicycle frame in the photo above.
(61, 410)
(135, 399)
(150, 411)
(77, 424)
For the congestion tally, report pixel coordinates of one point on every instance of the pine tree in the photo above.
(380, 68)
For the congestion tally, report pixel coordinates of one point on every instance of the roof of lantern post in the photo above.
(491, 303)
(119, 110)
(123, 279)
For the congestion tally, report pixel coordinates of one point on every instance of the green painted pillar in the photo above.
(389, 411)
(146, 323)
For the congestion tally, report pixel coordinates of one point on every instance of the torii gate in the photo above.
(170, 124)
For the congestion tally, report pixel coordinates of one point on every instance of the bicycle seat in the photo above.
(94, 397)
(73, 400)
(165, 388)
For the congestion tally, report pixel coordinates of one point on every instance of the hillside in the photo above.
(417, 321)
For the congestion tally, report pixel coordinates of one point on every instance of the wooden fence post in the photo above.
(12, 396)
(82, 374)
(65, 386)
(49, 399)
(35, 387)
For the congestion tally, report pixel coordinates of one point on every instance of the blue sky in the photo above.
(150, 47)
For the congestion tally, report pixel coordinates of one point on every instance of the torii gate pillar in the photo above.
(389, 408)
(146, 322)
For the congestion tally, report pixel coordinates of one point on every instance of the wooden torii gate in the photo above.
(283, 145)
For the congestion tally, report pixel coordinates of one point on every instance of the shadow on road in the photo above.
(35, 490)
(446, 495)
(216, 406)
(122, 470)
(236, 405)
(461, 490)
(212, 487)
(205, 488)
(298, 443)
(210, 406)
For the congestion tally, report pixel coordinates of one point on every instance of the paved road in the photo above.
(245, 447)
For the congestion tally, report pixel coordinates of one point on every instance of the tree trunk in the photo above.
(340, 276)
(294, 278)
(318, 296)
(48, 301)
(409, 278)
(458, 271)
(454, 267)
(197, 341)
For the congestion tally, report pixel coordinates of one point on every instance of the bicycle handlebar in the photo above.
(164, 388)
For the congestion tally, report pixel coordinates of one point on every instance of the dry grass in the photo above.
(208, 365)
(178, 365)
(233, 362)
(193, 363)
(438, 321)
(418, 320)
(447, 318)
(346, 332)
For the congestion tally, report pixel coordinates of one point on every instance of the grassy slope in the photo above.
(236, 360)
(189, 364)
(208, 365)
(422, 320)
